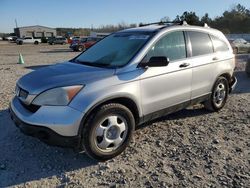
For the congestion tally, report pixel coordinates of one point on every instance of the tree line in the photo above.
(234, 21)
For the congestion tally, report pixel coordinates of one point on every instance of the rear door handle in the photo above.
(184, 65)
(215, 58)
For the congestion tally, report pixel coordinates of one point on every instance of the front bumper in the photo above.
(55, 125)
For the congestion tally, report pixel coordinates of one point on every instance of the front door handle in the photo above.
(184, 65)
(215, 59)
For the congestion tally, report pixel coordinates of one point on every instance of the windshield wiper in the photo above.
(99, 64)
(81, 62)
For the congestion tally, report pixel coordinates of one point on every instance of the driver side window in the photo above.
(171, 45)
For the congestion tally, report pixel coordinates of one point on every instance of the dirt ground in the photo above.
(190, 148)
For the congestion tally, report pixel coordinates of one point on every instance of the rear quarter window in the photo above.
(201, 43)
(219, 45)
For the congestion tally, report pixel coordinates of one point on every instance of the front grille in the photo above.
(22, 96)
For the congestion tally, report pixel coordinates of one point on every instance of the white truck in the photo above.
(28, 40)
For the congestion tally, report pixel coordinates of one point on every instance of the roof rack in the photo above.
(165, 23)
(206, 25)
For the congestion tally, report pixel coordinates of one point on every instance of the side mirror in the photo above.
(156, 61)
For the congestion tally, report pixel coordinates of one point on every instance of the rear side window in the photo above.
(219, 45)
(201, 43)
(171, 45)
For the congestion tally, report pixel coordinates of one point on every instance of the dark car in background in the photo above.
(84, 43)
(57, 40)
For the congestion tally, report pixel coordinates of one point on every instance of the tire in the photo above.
(108, 131)
(80, 48)
(20, 42)
(235, 50)
(36, 42)
(219, 95)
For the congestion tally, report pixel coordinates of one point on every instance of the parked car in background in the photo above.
(75, 43)
(94, 101)
(240, 45)
(9, 38)
(84, 44)
(28, 40)
(14, 38)
(57, 40)
(72, 39)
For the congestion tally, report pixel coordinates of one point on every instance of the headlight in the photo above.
(60, 96)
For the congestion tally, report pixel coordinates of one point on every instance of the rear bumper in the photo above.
(233, 83)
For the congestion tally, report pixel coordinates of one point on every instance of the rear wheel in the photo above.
(108, 131)
(81, 48)
(20, 42)
(219, 95)
(235, 50)
(36, 42)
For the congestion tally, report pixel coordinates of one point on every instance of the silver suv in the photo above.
(94, 101)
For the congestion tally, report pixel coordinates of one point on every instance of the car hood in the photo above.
(62, 74)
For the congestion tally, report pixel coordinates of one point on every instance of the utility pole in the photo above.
(16, 23)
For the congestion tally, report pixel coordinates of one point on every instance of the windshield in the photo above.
(115, 50)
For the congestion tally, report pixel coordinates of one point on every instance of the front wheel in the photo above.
(219, 95)
(36, 42)
(108, 131)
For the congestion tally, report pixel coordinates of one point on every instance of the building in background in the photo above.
(35, 31)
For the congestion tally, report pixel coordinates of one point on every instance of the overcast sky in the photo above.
(85, 13)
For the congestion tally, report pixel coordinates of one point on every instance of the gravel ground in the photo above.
(190, 148)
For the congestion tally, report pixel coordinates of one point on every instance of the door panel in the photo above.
(163, 87)
(203, 59)
(203, 75)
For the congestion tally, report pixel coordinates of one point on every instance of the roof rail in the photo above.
(165, 23)
(206, 25)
